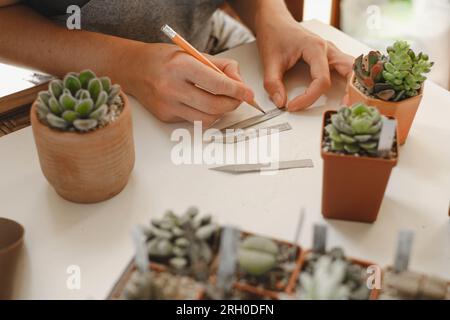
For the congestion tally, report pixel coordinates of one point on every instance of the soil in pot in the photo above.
(353, 185)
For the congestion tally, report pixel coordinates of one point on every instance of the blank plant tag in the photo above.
(301, 218)
(387, 136)
(139, 240)
(404, 245)
(227, 258)
(319, 238)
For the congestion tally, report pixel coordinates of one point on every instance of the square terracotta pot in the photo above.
(353, 187)
(404, 111)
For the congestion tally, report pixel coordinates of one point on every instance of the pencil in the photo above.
(186, 46)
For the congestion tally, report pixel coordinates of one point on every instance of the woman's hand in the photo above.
(175, 86)
(282, 43)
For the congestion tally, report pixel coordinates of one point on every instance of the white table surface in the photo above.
(96, 237)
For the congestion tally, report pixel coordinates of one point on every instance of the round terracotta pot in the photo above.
(404, 111)
(11, 241)
(87, 167)
(353, 187)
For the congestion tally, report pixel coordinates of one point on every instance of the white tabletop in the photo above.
(96, 237)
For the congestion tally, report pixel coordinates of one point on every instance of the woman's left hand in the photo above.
(282, 44)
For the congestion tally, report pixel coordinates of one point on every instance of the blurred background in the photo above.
(425, 24)
(377, 23)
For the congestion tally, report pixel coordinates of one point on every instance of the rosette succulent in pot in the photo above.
(83, 130)
(393, 77)
(79, 102)
(356, 169)
(355, 130)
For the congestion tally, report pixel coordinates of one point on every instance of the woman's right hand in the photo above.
(166, 81)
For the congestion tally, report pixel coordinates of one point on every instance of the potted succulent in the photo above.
(401, 283)
(355, 175)
(184, 244)
(155, 284)
(83, 132)
(267, 267)
(393, 83)
(332, 276)
(407, 285)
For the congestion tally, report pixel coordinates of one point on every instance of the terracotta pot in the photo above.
(11, 240)
(404, 111)
(87, 167)
(353, 187)
(374, 293)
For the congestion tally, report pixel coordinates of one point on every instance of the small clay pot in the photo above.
(87, 167)
(353, 187)
(11, 241)
(404, 111)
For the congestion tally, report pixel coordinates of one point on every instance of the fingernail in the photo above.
(278, 100)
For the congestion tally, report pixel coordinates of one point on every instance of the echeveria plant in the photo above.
(78, 102)
(395, 76)
(355, 129)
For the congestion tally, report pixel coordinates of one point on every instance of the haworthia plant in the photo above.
(331, 275)
(78, 102)
(181, 240)
(395, 76)
(355, 130)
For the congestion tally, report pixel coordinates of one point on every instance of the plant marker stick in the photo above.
(141, 258)
(301, 218)
(404, 245)
(387, 135)
(227, 260)
(186, 46)
(319, 238)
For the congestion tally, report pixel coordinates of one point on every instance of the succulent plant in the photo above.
(404, 70)
(79, 102)
(257, 255)
(413, 285)
(326, 281)
(392, 77)
(160, 286)
(183, 241)
(332, 276)
(355, 130)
